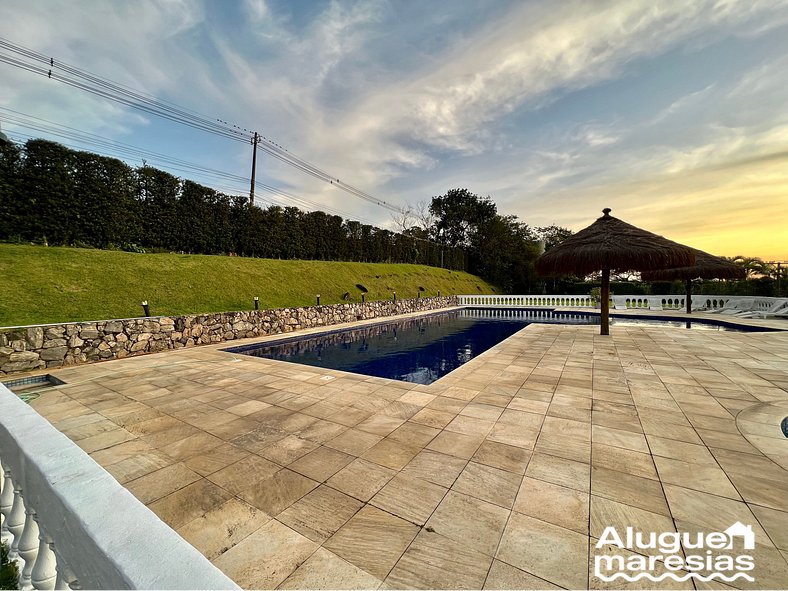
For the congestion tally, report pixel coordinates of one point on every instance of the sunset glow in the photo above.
(671, 113)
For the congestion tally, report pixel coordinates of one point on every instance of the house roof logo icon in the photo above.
(743, 531)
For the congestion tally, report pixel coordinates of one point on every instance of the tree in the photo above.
(507, 250)
(158, 193)
(754, 266)
(195, 218)
(500, 249)
(425, 218)
(353, 233)
(552, 235)
(221, 236)
(46, 187)
(63, 196)
(105, 205)
(404, 219)
(414, 220)
(458, 214)
(10, 208)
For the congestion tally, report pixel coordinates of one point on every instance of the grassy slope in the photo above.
(46, 284)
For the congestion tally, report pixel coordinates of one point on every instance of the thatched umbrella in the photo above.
(707, 266)
(608, 244)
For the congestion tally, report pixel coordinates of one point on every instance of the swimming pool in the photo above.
(425, 348)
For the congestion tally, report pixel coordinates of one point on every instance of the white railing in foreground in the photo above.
(70, 525)
(617, 302)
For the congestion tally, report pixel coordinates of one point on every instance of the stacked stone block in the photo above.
(30, 348)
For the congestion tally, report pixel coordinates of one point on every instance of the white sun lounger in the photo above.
(698, 303)
(778, 310)
(763, 307)
(735, 306)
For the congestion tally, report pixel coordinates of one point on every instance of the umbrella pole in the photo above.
(605, 302)
(689, 296)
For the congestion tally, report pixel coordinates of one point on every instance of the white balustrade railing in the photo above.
(617, 302)
(630, 302)
(70, 525)
(526, 301)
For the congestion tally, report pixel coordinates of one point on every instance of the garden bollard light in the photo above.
(318, 299)
(145, 308)
(256, 303)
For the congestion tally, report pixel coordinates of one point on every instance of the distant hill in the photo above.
(57, 284)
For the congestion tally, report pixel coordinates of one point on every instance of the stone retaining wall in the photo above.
(28, 348)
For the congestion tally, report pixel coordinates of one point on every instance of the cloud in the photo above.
(405, 102)
(693, 100)
(71, 35)
(535, 54)
(454, 105)
(256, 10)
(722, 196)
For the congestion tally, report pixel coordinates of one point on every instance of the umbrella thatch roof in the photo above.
(609, 243)
(707, 266)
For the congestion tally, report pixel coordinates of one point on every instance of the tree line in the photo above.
(59, 196)
(500, 248)
(55, 195)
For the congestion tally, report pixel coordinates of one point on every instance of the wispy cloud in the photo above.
(537, 52)
(555, 109)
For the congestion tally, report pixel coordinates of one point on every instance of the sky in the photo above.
(673, 114)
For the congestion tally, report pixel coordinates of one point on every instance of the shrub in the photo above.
(131, 247)
(9, 571)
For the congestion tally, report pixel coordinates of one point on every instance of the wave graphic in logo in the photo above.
(675, 577)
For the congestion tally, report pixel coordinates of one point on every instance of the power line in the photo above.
(173, 163)
(37, 63)
(109, 147)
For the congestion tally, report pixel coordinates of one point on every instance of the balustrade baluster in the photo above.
(6, 502)
(16, 521)
(28, 548)
(65, 578)
(44, 570)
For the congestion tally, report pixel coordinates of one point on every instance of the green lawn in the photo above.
(51, 284)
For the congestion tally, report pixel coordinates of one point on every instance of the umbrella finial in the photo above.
(607, 211)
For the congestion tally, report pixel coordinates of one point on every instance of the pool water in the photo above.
(422, 349)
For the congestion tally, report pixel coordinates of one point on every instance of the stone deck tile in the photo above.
(410, 498)
(326, 570)
(489, 484)
(319, 514)
(267, 557)
(373, 540)
(433, 561)
(223, 527)
(553, 553)
(435, 467)
(500, 475)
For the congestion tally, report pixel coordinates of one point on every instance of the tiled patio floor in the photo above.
(501, 475)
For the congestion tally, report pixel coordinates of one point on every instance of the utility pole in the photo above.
(255, 141)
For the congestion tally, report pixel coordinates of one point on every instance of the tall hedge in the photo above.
(50, 193)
